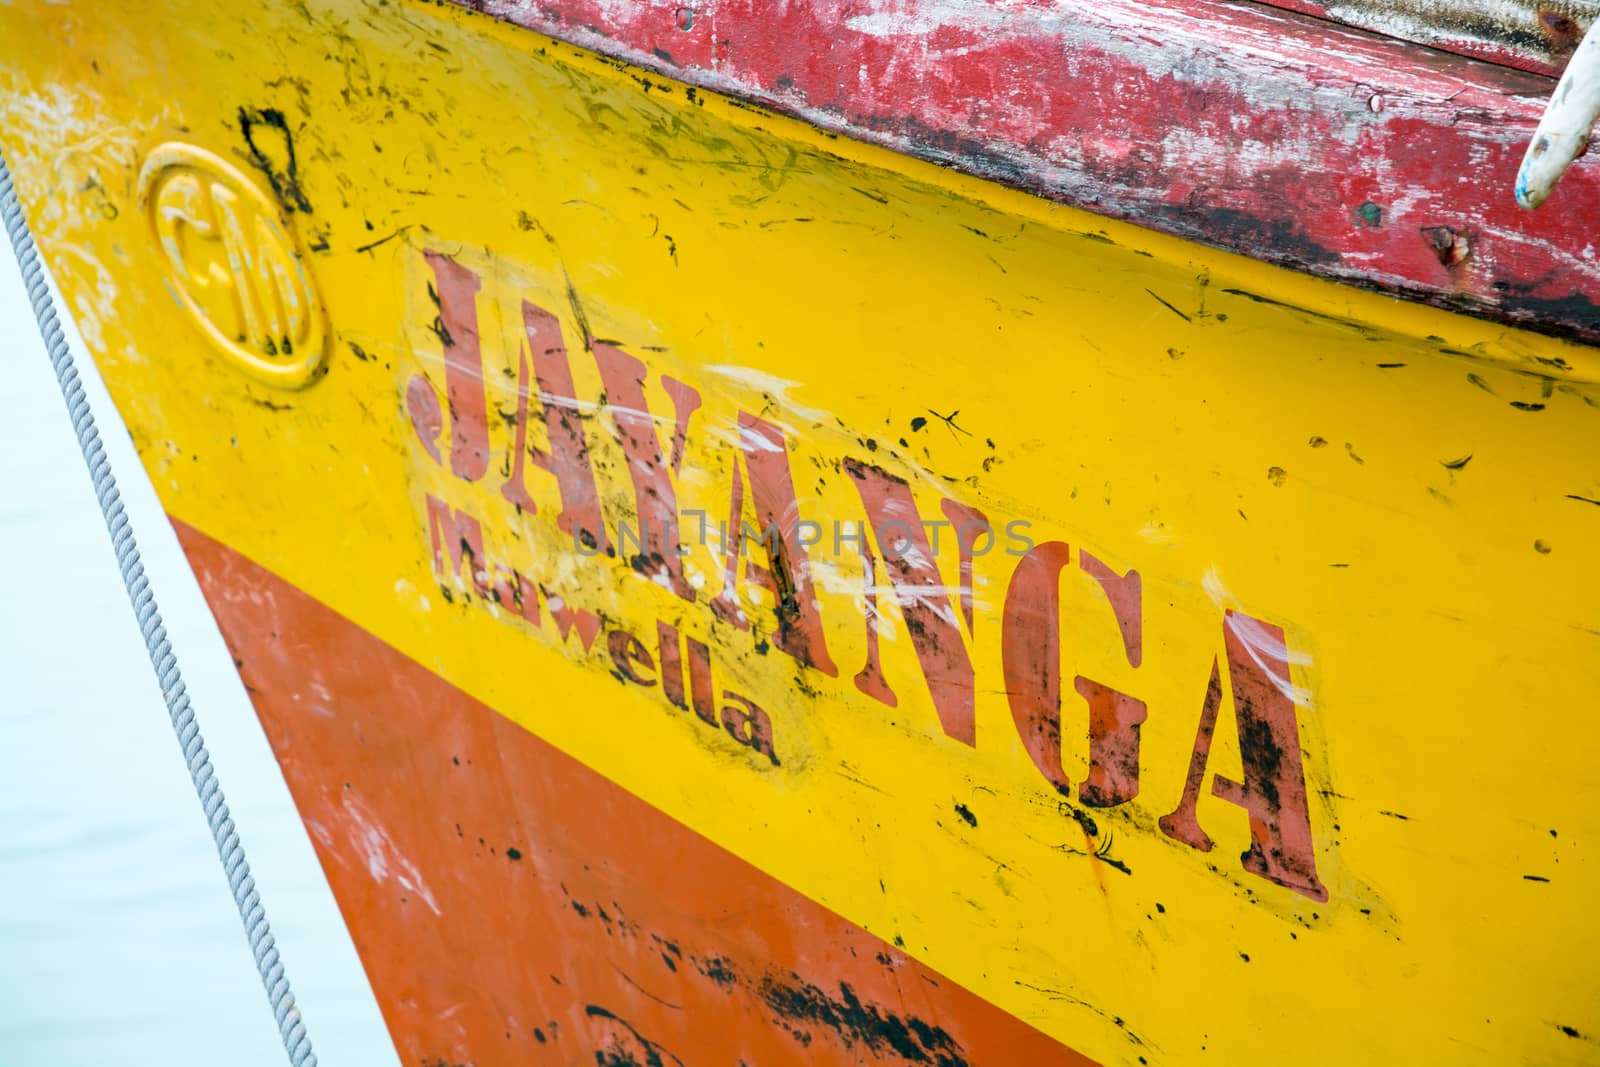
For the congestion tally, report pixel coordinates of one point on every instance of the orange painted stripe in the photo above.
(512, 906)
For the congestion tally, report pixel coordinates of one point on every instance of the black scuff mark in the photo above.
(437, 326)
(717, 968)
(1111, 1017)
(1277, 239)
(1309, 313)
(282, 174)
(1103, 854)
(913, 1040)
(1084, 820)
(369, 246)
(624, 1052)
(577, 310)
(626, 977)
(1573, 314)
(950, 420)
(1168, 306)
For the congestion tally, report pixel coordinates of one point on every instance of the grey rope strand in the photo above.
(229, 848)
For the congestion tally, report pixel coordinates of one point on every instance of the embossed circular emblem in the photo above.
(236, 266)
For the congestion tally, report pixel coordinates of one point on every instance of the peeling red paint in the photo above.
(1246, 127)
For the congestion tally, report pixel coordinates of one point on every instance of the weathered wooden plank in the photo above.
(1536, 35)
(1330, 150)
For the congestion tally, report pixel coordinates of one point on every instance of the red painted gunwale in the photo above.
(1308, 144)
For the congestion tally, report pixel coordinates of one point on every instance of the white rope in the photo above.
(229, 849)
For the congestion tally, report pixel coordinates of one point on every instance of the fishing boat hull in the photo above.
(721, 592)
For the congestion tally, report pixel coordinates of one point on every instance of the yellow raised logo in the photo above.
(234, 263)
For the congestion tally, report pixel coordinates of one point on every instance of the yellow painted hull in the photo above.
(1380, 516)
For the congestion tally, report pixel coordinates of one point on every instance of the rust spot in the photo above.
(1450, 245)
(1561, 30)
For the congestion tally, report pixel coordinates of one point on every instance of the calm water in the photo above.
(119, 942)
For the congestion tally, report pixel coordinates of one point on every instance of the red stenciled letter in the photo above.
(655, 498)
(422, 405)
(569, 618)
(457, 328)
(1030, 650)
(1030, 654)
(701, 694)
(459, 536)
(516, 594)
(1114, 717)
(920, 591)
(568, 458)
(788, 576)
(748, 724)
(1274, 788)
(870, 679)
(671, 664)
(632, 659)
(1126, 594)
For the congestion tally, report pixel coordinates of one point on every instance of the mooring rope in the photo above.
(229, 848)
